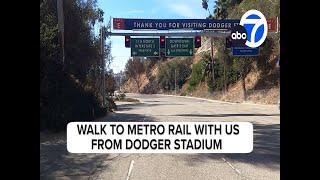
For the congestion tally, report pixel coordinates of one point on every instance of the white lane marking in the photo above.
(130, 169)
(233, 167)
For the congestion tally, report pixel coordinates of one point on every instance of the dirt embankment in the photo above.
(131, 84)
(261, 88)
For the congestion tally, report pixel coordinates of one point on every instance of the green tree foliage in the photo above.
(196, 75)
(110, 83)
(178, 68)
(269, 8)
(228, 69)
(205, 4)
(220, 9)
(68, 92)
(206, 72)
(134, 69)
(243, 65)
(149, 63)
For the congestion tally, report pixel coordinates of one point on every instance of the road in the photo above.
(261, 164)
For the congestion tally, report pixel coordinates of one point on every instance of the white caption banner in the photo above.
(160, 137)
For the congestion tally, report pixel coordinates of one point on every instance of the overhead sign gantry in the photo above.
(170, 24)
(189, 32)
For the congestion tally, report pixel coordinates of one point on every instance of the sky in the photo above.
(146, 9)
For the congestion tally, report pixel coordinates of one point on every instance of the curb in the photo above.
(219, 101)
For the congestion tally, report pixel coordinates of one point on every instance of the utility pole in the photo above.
(120, 81)
(212, 61)
(103, 68)
(175, 81)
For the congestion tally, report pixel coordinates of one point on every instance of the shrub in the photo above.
(131, 100)
(62, 100)
(196, 76)
(166, 75)
(183, 94)
(120, 96)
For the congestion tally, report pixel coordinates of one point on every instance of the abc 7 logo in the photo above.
(245, 34)
(238, 36)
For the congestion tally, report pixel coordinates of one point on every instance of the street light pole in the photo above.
(120, 82)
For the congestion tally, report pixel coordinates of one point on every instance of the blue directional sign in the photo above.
(245, 51)
(167, 24)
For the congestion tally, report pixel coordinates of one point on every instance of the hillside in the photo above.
(261, 88)
(236, 79)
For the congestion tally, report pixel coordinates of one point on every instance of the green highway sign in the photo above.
(179, 47)
(145, 47)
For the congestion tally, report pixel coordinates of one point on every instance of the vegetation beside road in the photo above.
(122, 97)
(228, 78)
(71, 90)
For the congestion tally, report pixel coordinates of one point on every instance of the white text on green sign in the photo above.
(145, 47)
(179, 46)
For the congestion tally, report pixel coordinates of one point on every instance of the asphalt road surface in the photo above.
(261, 164)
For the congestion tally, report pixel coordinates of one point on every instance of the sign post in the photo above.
(179, 47)
(145, 47)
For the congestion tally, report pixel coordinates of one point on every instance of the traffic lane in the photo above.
(262, 163)
(57, 163)
(177, 166)
(266, 123)
(157, 100)
(169, 108)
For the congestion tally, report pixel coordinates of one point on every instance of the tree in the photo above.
(177, 69)
(196, 75)
(220, 9)
(225, 60)
(228, 69)
(205, 5)
(220, 12)
(243, 65)
(110, 83)
(134, 69)
(64, 92)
